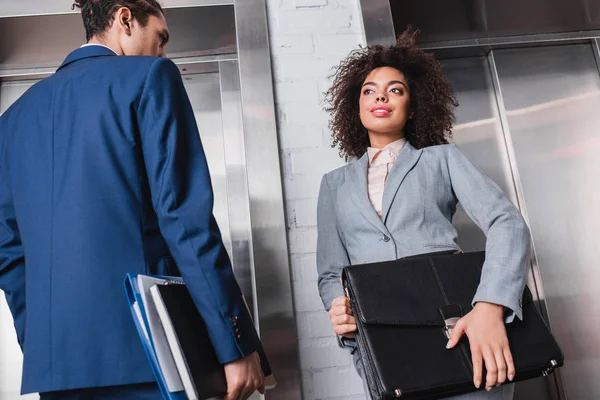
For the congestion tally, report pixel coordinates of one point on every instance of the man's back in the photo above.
(92, 161)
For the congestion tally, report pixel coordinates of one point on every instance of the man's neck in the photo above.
(107, 43)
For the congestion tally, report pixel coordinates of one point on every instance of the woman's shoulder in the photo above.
(441, 152)
(336, 177)
(440, 149)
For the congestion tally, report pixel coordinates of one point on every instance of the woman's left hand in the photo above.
(484, 326)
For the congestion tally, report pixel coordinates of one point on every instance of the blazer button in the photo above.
(386, 238)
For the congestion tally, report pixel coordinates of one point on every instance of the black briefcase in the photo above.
(404, 310)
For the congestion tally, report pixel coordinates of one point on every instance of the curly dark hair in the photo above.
(98, 14)
(431, 96)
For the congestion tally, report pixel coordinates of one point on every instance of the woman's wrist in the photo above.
(490, 308)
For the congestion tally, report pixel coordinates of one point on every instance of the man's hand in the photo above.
(484, 326)
(341, 317)
(244, 377)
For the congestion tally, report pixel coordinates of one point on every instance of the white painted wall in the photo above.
(308, 38)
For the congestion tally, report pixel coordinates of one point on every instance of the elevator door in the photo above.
(552, 98)
(528, 117)
(208, 94)
(479, 134)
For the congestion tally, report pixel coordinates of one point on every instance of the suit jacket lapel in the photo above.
(360, 192)
(406, 161)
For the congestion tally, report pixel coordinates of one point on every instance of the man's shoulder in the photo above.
(133, 66)
(130, 74)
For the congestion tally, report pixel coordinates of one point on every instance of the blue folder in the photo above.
(134, 298)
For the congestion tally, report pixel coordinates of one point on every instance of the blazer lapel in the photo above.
(360, 192)
(406, 161)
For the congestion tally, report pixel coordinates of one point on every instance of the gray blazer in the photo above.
(419, 200)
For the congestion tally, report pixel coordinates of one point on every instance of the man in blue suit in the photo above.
(102, 173)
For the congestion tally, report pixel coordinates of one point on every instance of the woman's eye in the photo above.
(367, 91)
(396, 90)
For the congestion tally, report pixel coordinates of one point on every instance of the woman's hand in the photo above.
(484, 326)
(341, 317)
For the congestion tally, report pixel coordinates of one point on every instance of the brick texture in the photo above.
(308, 38)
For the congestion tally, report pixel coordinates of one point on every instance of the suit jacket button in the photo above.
(386, 238)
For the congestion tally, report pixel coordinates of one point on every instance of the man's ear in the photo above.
(124, 18)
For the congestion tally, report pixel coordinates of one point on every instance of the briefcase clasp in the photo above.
(451, 313)
(450, 323)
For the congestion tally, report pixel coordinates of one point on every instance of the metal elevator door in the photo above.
(210, 94)
(528, 117)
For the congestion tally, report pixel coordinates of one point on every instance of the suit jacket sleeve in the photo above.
(508, 242)
(331, 252)
(182, 197)
(12, 260)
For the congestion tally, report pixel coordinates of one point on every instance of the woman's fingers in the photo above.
(345, 329)
(477, 360)
(343, 320)
(510, 365)
(341, 310)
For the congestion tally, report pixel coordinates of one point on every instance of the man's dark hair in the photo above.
(98, 14)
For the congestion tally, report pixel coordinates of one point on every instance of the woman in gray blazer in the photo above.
(392, 109)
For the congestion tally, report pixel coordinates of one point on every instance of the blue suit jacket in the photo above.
(102, 173)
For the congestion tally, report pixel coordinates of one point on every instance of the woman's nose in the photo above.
(381, 98)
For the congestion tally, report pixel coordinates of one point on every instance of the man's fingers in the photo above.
(477, 360)
(510, 365)
(457, 332)
(233, 393)
(492, 369)
(245, 392)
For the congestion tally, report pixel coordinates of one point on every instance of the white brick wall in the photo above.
(308, 38)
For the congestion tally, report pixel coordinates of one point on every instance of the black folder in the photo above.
(202, 375)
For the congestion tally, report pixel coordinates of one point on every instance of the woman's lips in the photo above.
(381, 111)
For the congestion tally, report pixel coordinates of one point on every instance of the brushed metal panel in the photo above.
(552, 96)
(237, 185)
(478, 134)
(204, 92)
(273, 295)
(441, 20)
(43, 41)
(377, 22)
(482, 133)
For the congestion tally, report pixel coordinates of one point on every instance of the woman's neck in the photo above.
(379, 141)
